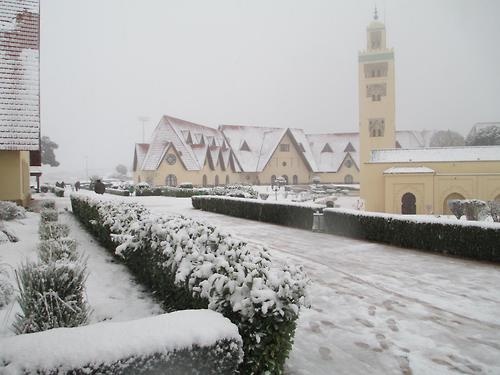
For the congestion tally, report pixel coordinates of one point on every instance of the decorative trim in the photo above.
(376, 57)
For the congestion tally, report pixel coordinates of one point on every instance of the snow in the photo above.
(109, 342)
(408, 170)
(437, 154)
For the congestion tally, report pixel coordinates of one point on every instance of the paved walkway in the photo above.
(378, 309)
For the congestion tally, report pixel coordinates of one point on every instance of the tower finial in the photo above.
(375, 14)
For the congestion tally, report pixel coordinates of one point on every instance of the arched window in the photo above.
(216, 180)
(452, 196)
(139, 178)
(286, 178)
(295, 179)
(204, 180)
(497, 198)
(273, 179)
(348, 179)
(408, 204)
(171, 180)
(227, 179)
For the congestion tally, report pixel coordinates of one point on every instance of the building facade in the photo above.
(19, 96)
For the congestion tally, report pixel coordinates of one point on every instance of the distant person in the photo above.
(63, 185)
(77, 185)
(99, 187)
(57, 184)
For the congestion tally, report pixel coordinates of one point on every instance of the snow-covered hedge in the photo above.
(49, 204)
(6, 288)
(58, 191)
(240, 191)
(184, 342)
(297, 215)
(190, 264)
(51, 295)
(469, 239)
(48, 214)
(122, 192)
(11, 211)
(53, 250)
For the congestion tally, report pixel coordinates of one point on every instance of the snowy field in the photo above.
(376, 309)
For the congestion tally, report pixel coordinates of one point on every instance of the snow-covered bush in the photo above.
(494, 210)
(297, 215)
(6, 288)
(11, 211)
(52, 230)
(60, 249)
(122, 192)
(51, 295)
(48, 214)
(476, 240)
(183, 342)
(456, 207)
(475, 209)
(190, 264)
(237, 191)
(49, 204)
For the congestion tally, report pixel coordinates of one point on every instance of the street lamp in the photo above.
(278, 183)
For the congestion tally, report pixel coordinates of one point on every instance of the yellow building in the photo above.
(19, 97)
(411, 181)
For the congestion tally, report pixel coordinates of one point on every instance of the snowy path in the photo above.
(378, 309)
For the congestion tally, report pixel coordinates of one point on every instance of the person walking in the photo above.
(99, 187)
(77, 185)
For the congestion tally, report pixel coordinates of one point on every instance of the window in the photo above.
(376, 127)
(204, 180)
(227, 179)
(295, 179)
(327, 148)
(273, 179)
(171, 159)
(171, 180)
(283, 164)
(284, 147)
(376, 69)
(216, 180)
(348, 163)
(348, 179)
(244, 146)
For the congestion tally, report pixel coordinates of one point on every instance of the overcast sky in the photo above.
(285, 63)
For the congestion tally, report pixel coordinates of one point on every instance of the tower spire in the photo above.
(375, 14)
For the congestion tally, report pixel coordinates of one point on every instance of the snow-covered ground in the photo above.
(376, 309)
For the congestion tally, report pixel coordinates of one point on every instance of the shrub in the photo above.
(121, 192)
(6, 288)
(184, 342)
(51, 230)
(193, 265)
(11, 211)
(263, 196)
(494, 210)
(290, 214)
(51, 295)
(475, 209)
(58, 191)
(60, 249)
(47, 215)
(49, 204)
(44, 188)
(472, 240)
(456, 207)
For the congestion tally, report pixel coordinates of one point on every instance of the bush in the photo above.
(51, 295)
(6, 288)
(44, 188)
(58, 191)
(47, 215)
(461, 238)
(52, 230)
(494, 210)
(475, 209)
(190, 265)
(60, 249)
(121, 192)
(49, 204)
(11, 211)
(184, 342)
(289, 214)
(240, 191)
(456, 207)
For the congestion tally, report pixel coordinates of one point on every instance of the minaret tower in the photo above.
(376, 98)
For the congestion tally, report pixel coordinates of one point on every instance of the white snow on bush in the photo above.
(261, 201)
(65, 349)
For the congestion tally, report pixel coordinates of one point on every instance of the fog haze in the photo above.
(270, 63)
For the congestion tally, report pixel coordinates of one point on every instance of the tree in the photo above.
(447, 138)
(121, 169)
(487, 136)
(48, 147)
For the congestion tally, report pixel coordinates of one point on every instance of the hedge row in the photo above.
(121, 192)
(187, 342)
(473, 240)
(241, 191)
(191, 265)
(289, 214)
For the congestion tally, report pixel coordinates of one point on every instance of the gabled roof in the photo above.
(338, 142)
(141, 149)
(19, 75)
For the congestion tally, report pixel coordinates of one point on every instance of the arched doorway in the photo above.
(295, 179)
(204, 180)
(171, 180)
(408, 204)
(452, 196)
(348, 179)
(216, 180)
(227, 179)
(286, 179)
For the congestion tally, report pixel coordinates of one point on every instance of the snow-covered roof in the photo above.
(19, 75)
(141, 150)
(408, 170)
(191, 141)
(338, 142)
(437, 154)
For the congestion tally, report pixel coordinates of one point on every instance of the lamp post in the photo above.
(278, 183)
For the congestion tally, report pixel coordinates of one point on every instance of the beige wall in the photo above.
(478, 179)
(15, 176)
